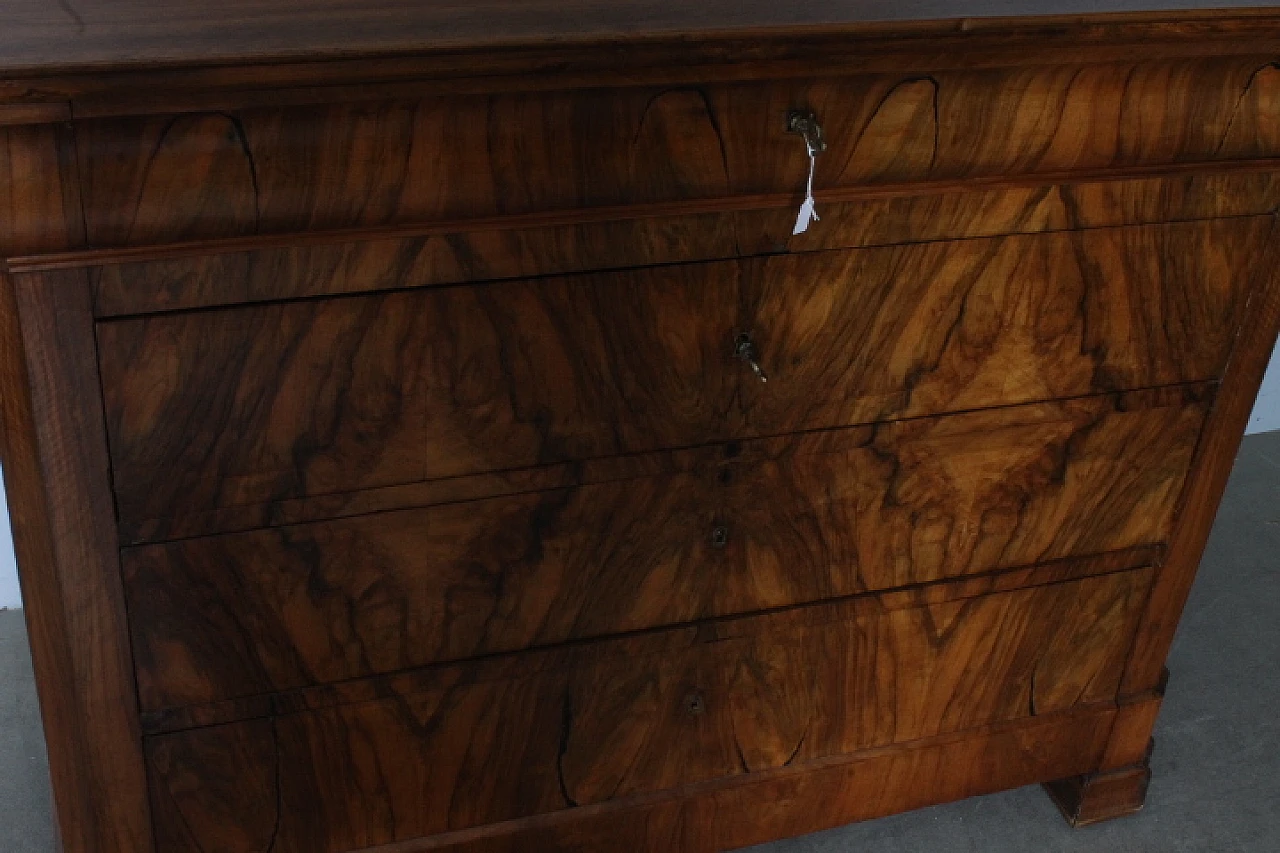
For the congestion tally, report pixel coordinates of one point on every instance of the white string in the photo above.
(807, 212)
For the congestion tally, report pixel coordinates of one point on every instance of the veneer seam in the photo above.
(271, 702)
(1205, 389)
(568, 217)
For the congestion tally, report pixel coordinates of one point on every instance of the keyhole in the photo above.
(694, 703)
(719, 536)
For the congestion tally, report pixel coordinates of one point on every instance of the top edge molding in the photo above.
(133, 57)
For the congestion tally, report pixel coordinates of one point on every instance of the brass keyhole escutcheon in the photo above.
(719, 536)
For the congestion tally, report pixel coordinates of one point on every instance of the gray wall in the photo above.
(1266, 412)
(9, 595)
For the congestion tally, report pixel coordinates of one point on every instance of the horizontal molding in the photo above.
(24, 264)
(102, 87)
(52, 112)
(1071, 742)
(667, 68)
(649, 641)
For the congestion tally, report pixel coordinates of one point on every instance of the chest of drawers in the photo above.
(428, 428)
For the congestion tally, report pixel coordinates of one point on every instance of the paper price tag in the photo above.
(808, 213)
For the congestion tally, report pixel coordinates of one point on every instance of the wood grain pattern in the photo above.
(402, 367)
(59, 499)
(1214, 460)
(617, 726)
(399, 388)
(234, 407)
(398, 161)
(1130, 741)
(950, 327)
(803, 519)
(261, 269)
(645, 644)
(749, 810)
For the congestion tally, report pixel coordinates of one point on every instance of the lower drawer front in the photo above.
(507, 738)
(723, 530)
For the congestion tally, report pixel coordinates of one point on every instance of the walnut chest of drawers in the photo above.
(427, 428)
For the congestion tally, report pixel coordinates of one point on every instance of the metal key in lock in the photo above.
(745, 349)
(805, 123)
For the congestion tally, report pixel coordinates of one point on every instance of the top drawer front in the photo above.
(162, 179)
(236, 407)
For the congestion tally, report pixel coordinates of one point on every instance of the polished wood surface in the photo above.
(930, 499)
(615, 723)
(1218, 447)
(748, 810)
(42, 35)
(227, 174)
(272, 267)
(226, 408)
(554, 657)
(385, 475)
(56, 476)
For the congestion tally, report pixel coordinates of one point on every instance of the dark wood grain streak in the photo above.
(724, 814)
(227, 174)
(763, 807)
(645, 643)
(128, 282)
(1188, 200)
(59, 499)
(601, 732)
(804, 519)
(386, 390)
(518, 482)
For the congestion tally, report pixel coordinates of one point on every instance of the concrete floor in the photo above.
(1216, 765)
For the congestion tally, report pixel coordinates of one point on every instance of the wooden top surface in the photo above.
(48, 36)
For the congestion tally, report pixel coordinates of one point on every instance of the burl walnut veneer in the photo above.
(425, 432)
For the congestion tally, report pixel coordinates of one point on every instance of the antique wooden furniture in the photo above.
(424, 431)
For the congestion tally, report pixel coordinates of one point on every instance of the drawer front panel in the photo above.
(312, 265)
(612, 721)
(172, 178)
(855, 337)
(767, 524)
(248, 405)
(253, 405)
